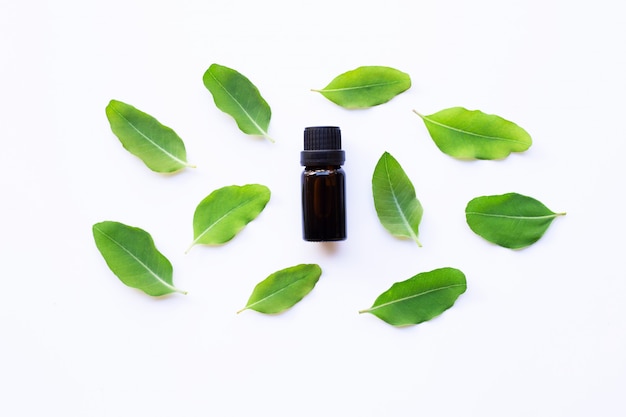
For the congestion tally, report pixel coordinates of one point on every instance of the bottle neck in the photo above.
(333, 157)
(318, 167)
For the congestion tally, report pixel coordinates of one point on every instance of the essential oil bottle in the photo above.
(323, 185)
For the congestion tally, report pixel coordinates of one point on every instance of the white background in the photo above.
(539, 332)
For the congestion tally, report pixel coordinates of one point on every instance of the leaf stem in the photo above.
(419, 114)
(190, 246)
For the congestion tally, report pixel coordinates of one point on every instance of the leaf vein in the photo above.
(506, 216)
(139, 261)
(249, 306)
(147, 138)
(243, 109)
(217, 221)
(502, 139)
(399, 300)
(334, 90)
(403, 217)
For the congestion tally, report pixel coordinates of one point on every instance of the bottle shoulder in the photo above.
(323, 172)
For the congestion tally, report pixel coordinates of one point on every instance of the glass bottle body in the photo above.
(323, 203)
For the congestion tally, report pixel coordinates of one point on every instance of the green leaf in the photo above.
(283, 289)
(235, 95)
(158, 146)
(227, 210)
(366, 87)
(419, 298)
(398, 209)
(510, 220)
(466, 134)
(131, 255)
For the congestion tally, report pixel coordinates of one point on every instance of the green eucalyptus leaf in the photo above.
(366, 86)
(419, 298)
(472, 134)
(398, 209)
(226, 211)
(158, 146)
(283, 289)
(132, 256)
(236, 96)
(510, 220)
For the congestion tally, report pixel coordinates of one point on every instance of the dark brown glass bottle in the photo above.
(323, 185)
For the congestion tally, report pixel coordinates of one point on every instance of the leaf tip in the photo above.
(112, 103)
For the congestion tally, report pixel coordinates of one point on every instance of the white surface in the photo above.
(539, 332)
